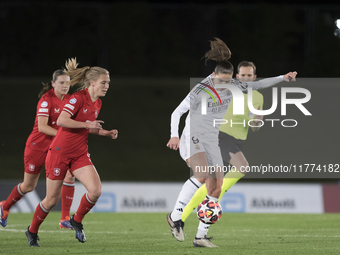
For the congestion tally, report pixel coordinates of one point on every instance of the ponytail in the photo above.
(77, 74)
(46, 87)
(82, 75)
(219, 51)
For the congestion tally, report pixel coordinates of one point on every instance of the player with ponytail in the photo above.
(199, 140)
(69, 149)
(53, 96)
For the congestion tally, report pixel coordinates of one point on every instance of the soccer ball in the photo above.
(209, 212)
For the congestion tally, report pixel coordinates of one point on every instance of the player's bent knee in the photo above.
(69, 179)
(50, 202)
(27, 188)
(95, 194)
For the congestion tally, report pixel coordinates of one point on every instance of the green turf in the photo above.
(148, 233)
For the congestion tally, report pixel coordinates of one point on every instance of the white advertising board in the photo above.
(273, 198)
(250, 198)
(132, 197)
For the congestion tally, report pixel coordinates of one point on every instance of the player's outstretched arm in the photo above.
(268, 82)
(291, 76)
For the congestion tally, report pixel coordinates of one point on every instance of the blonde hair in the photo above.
(219, 51)
(83, 75)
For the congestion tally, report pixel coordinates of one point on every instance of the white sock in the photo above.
(212, 198)
(202, 230)
(188, 190)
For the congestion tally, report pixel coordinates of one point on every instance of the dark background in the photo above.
(152, 50)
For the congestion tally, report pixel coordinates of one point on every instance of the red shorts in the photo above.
(57, 166)
(34, 160)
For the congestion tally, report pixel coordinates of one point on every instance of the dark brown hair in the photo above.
(219, 51)
(246, 64)
(48, 86)
(224, 67)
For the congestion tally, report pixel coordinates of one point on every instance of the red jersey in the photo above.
(72, 142)
(49, 106)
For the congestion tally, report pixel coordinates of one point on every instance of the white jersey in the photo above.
(196, 122)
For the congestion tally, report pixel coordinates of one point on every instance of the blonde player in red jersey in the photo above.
(53, 96)
(69, 149)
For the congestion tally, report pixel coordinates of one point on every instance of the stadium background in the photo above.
(152, 50)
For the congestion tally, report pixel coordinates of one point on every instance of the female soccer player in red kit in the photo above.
(69, 149)
(53, 97)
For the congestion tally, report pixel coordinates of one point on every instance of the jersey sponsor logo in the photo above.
(43, 110)
(44, 104)
(73, 101)
(69, 106)
(96, 113)
(84, 111)
(56, 171)
(56, 110)
(31, 167)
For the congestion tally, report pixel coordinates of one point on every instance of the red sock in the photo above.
(67, 193)
(14, 197)
(85, 206)
(39, 216)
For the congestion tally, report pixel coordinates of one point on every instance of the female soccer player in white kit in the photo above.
(199, 141)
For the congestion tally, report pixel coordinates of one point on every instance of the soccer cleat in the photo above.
(176, 228)
(3, 215)
(65, 223)
(33, 239)
(78, 227)
(203, 242)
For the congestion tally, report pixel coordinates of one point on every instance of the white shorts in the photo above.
(204, 142)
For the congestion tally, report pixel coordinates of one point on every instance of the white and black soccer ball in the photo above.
(209, 212)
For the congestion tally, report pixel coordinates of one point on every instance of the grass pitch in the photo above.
(148, 233)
